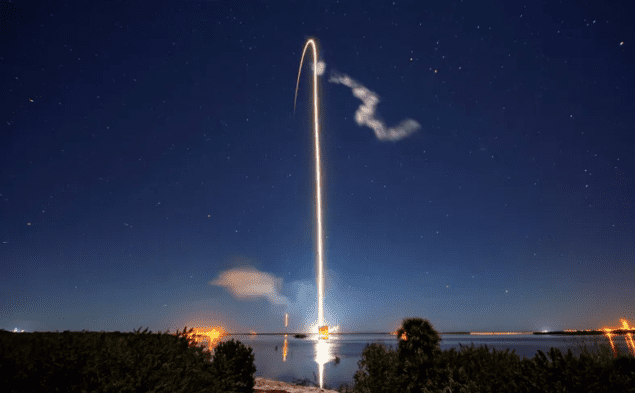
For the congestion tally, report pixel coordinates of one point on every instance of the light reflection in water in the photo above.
(303, 354)
(323, 354)
(285, 349)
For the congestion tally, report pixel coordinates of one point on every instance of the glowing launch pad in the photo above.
(324, 332)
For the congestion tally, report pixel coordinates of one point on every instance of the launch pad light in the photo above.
(324, 332)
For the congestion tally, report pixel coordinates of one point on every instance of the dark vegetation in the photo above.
(299, 335)
(163, 362)
(418, 365)
(122, 362)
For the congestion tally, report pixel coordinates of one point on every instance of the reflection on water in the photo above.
(314, 359)
(285, 349)
(323, 354)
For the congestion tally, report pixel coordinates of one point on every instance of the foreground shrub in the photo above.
(377, 370)
(557, 372)
(420, 366)
(404, 370)
(121, 362)
(480, 370)
(233, 367)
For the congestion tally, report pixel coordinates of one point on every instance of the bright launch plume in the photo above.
(364, 116)
(249, 283)
(318, 69)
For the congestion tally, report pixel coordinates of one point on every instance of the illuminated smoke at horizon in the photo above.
(249, 283)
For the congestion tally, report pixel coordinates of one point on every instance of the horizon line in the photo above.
(485, 332)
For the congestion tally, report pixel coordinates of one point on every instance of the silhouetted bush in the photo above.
(121, 362)
(480, 370)
(420, 366)
(233, 367)
(378, 370)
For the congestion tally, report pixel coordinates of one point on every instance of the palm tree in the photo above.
(417, 335)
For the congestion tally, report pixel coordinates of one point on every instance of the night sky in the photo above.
(153, 173)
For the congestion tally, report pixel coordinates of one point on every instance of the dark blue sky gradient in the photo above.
(148, 148)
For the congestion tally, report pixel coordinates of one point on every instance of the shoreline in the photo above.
(273, 386)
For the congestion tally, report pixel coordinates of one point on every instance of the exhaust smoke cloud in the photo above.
(249, 283)
(365, 114)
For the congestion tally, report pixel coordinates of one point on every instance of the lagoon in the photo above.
(299, 362)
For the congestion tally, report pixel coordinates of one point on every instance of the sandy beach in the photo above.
(272, 386)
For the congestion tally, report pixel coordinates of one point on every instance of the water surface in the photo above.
(300, 362)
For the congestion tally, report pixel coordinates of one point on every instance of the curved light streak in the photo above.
(318, 177)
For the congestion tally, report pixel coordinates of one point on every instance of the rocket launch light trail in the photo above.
(318, 185)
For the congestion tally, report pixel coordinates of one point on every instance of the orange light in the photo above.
(628, 337)
(403, 336)
(211, 334)
(285, 349)
(324, 332)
